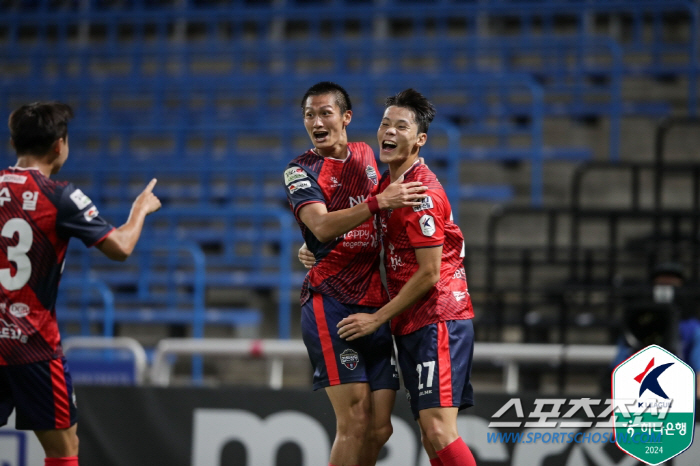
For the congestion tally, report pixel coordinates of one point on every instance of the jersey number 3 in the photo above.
(17, 254)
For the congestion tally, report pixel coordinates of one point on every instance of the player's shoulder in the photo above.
(425, 175)
(361, 148)
(306, 159)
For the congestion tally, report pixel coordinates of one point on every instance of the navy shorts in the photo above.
(42, 394)
(436, 364)
(335, 361)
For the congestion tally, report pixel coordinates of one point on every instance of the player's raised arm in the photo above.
(328, 225)
(121, 242)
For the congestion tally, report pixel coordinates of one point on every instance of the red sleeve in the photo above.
(425, 225)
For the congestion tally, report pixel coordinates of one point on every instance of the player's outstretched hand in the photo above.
(306, 257)
(147, 201)
(357, 325)
(399, 194)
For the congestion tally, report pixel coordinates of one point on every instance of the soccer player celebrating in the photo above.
(38, 217)
(430, 310)
(331, 191)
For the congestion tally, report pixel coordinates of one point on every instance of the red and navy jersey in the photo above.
(425, 226)
(347, 268)
(38, 217)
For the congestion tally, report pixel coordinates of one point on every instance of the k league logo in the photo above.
(662, 387)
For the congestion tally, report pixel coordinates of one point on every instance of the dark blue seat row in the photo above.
(647, 29)
(186, 250)
(163, 282)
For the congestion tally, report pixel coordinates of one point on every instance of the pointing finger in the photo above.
(149, 187)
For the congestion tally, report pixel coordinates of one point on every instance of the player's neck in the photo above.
(337, 151)
(398, 168)
(31, 161)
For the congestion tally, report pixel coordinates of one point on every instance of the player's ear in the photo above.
(55, 150)
(347, 118)
(422, 139)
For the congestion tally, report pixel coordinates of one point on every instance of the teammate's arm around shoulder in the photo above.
(328, 225)
(121, 242)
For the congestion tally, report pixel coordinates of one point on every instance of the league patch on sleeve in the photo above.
(293, 174)
(426, 204)
(80, 199)
(427, 225)
(297, 186)
(372, 174)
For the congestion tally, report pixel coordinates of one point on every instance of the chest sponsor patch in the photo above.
(426, 204)
(80, 199)
(427, 225)
(19, 310)
(298, 185)
(293, 174)
(372, 174)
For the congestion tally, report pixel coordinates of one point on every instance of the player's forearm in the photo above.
(126, 236)
(415, 288)
(330, 225)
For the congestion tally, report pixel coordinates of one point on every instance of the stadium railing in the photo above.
(235, 247)
(510, 356)
(87, 301)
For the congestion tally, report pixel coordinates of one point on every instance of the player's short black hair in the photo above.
(342, 98)
(35, 127)
(411, 99)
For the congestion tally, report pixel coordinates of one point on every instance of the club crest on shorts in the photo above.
(350, 359)
(371, 174)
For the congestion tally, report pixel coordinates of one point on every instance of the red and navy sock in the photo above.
(456, 453)
(67, 461)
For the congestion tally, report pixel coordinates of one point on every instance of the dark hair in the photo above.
(411, 99)
(327, 87)
(35, 127)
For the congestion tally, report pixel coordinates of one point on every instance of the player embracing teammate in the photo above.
(430, 309)
(332, 191)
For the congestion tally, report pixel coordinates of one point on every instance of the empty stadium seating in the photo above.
(204, 95)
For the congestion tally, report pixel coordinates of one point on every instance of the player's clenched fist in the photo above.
(147, 200)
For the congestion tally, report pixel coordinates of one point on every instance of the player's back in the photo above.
(39, 216)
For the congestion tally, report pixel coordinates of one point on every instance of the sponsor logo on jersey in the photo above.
(11, 332)
(293, 174)
(335, 182)
(350, 359)
(427, 225)
(371, 174)
(80, 199)
(297, 186)
(91, 213)
(425, 204)
(19, 310)
(17, 179)
(459, 295)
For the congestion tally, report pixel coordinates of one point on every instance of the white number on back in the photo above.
(17, 254)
